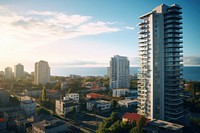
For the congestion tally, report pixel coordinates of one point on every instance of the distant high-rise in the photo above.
(159, 85)
(8, 73)
(119, 72)
(18, 71)
(42, 73)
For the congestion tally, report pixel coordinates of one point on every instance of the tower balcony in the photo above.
(173, 74)
(173, 22)
(173, 117)
(173, 103)
(143, 36)
(144, 27)
(173, 16)
(143, 23)
(173, 41)
(173, 45)
(143, 40)
(174, 112)
(173, 26)
(173, 50)
(173, 99)
(176, 31)
(173, 36)
(143, 48)
(143, 32)
(174, 60)
(173, 55)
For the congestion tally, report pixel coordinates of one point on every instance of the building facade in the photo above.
(50, 126)
(18, 71)
(63, 107)
(160, 51)
(8, 73)
(28, 106)
(119, 72)
(72, 96)
(120, 92)
(42, 73)
(4, 97)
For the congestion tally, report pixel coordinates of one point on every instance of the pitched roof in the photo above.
(3, 119)
(133, 116)
(93, 95)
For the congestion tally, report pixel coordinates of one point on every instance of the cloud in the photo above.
(24, 30)
(75, 63)
(129, 28)
(191, 60)
(134, 61)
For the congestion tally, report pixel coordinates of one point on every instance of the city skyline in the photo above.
(81, 34)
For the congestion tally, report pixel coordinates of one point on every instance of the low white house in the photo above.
(120, 92)
(50, 126)
(100, 105)
(28, 106)
(72, 96)
(127, 103)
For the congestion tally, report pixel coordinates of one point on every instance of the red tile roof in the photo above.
(3, 119)
(53, 91)
(133, 116)
(93, 95)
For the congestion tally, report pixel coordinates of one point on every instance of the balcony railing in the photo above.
(173, 17)
(173, 26)
(168, 45)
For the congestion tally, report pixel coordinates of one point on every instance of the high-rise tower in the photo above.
(119, 72)
(160, 51)
(18, 71)
(42, 73)
(8, 73)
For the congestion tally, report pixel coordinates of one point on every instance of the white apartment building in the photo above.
(120, 92)
(119, 72)
(18, 71)
(100, 105)
(8, 73)
(72, 96)
(159, 85)
(42, 73)
(63, 107)
(28, 106)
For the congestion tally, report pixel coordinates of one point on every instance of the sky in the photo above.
(83, 33)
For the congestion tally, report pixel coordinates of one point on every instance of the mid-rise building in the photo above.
(98, 105)
(28, 106)
(63, 107)
(119, 72)
(159, 85)
(72, 96)
(120, 92)
(42, 73)
(19, 71)
(8, 73)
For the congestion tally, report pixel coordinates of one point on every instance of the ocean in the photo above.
(189, 73)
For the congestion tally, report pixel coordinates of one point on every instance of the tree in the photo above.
(44, 94)
(141, 123)
(42, 110)
(69, 90)
(115, 127)
(114, 104)
(134, 130)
